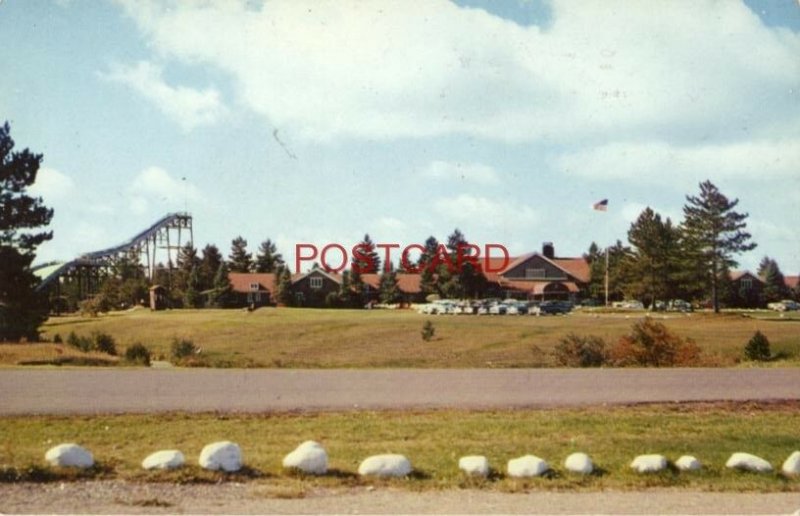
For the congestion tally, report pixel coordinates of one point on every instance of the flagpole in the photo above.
(606, 282)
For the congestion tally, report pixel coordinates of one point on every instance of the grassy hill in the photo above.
(310, 338)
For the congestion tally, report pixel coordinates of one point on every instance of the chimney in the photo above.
(548, 250)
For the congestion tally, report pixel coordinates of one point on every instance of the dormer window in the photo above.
(254, 286)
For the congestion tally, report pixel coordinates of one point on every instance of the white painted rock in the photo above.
(748, 462)
(390, 465)
(69, 455)
(222, 455)
(476, 465)
(649, 463)
(164, 459)
(792, 465)
(688, 463)
(527, 466)
(310, 457)
(579, 463)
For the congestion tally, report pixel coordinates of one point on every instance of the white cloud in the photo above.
(663, 163)
(466, 172)
(187, 106)
(52, 185)
(154, 187)
(488, 212)
(327, 70)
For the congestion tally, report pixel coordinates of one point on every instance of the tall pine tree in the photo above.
(268, 258)
(240, 260)
(22, 310)
(714, 232)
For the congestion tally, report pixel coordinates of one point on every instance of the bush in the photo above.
(427, 331)
(138, 354)
(652, 344)
(82, 343)
(581, 351)
(104, 343)
(757, 348)
(57, 338)
(182, 348)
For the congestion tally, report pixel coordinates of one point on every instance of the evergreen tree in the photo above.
(186, 261)
(191, 296)
(346, 295)
(428, 275)
(209, 263)
(596, 259)
(22, 310)
(371, 263)
(239, 259)
(222, 293)
(715, 232)
(775, 287)
(268, 258)
(654, 258)
(284, 289)
(389, 291)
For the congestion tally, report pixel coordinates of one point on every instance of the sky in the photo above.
(320, 121)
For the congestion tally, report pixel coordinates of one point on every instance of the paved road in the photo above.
(87, 391)
(118, 497)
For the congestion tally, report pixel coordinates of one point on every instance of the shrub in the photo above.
(82, 343)
(427, 331)
(182, 348)
(651, 344)
(757, 348)
(104, 343)
(138, 354)
(581, 351)
(57, 338)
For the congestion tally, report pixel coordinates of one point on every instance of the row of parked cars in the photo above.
(787, 305)
(495, 307)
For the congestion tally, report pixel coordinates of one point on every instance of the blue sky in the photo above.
(321, 121)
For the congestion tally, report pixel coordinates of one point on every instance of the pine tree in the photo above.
(284, 290)
(22, 310)
(371, 263)
(191, 296)
(240, 260)
(714, 233)
(222, 293)
(209, 263)
(389, 291)
(268, 258)
(654, 257)
(775, 287)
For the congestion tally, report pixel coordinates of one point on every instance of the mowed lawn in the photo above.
(311, 338)
(432, 440)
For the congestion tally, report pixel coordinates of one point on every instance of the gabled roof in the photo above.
(337, 278)
(241, 281)
(737, 275)
(407, 283)
(578, 268)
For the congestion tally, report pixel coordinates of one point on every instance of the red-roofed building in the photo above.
(252, 289)
(539, 276)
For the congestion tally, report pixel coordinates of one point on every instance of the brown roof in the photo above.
(575, 267)
(791, 281)
(407, 283)
(241, 281)
(737, 275)
(536, 287)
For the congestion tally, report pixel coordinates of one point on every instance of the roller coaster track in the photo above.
(145, 242)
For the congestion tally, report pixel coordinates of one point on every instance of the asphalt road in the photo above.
(88, 391)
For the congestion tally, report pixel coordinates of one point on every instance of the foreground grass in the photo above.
(52, 354)
(284, 337)
(432, 440)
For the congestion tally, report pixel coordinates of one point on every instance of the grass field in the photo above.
(433, 441)
(284, 337)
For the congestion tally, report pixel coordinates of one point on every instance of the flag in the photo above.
(601, 205)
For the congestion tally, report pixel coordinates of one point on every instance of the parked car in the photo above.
(554, 307)
(679, 305)
(783, 306)
(498, 309)
(517, 308)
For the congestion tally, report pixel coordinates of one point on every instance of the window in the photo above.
(254, 286)
(535, 273)
(747, 283)
(315, 282)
